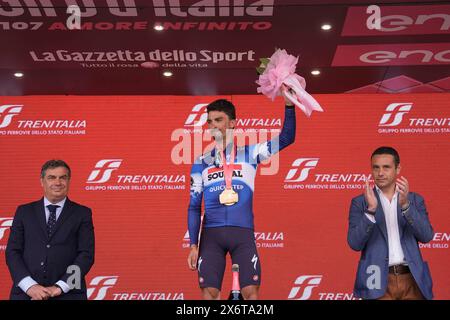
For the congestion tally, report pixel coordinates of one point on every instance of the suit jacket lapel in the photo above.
(66, 212)
(39, 211)
(380, 217)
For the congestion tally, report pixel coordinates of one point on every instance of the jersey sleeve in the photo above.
(263, 151)
(195, 202)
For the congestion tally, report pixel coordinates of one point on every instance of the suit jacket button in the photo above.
(48, 246)
(42, 263)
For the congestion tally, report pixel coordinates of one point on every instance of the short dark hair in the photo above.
(388, 150)
(51, 164)
(223, 105)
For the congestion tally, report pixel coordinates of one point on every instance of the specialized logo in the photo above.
(5, 224)
(200, 260)
(304, 286)
(300, 169)
(394, 114)
(99, 286)
(103, 170)
(254, 261)
(7, 112)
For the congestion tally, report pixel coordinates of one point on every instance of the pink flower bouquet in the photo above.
(278, 73)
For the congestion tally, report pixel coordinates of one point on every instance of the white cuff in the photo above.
(64, 286)
(26, 283)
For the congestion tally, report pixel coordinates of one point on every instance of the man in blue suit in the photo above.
(385, 224)
(51, 244)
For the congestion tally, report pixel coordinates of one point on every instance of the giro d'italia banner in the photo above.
(131, 157)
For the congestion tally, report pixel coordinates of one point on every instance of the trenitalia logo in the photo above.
(198, 117)
(103, 170)
(39, 127)
(394, 114)
(303, 287)
(300, 169)
(5, 224)
(441, 240)
(100, 179)
(272, 239)
(300, 177)
(393, 121)
(99, 286)
(7, 112)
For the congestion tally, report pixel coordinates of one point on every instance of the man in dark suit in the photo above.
(51, 244)
(385, 224)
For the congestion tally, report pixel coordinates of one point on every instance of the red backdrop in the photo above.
(140, 197)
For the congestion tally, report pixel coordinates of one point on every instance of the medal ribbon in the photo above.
(228, 168)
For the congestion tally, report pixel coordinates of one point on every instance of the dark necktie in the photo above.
(51, 219)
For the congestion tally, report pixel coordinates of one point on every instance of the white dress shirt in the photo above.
(396, 255)
(28, 281)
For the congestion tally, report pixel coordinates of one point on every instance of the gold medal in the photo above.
(228, 197)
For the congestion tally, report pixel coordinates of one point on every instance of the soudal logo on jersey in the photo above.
(217, 173)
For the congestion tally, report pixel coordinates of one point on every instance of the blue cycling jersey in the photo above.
(207, 180)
